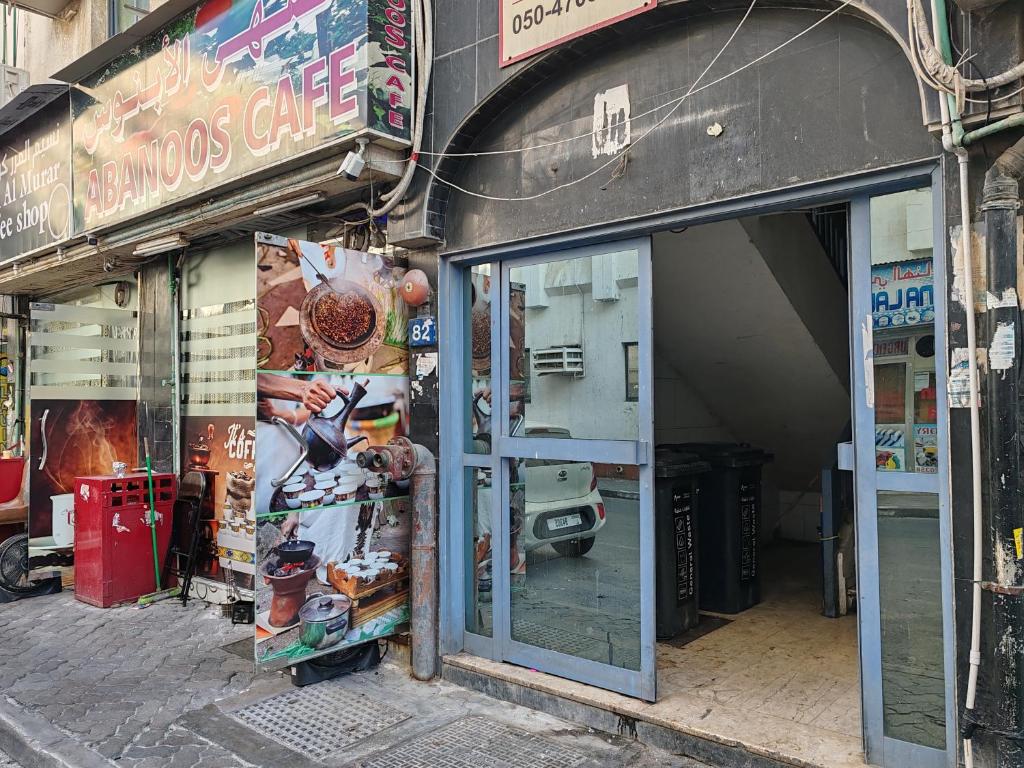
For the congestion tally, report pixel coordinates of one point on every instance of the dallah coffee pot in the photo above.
(322, 440)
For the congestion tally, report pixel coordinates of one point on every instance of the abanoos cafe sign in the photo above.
(232, 87)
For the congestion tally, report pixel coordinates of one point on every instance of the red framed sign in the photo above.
(526, 27)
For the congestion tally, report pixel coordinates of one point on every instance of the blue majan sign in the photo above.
(903, 294)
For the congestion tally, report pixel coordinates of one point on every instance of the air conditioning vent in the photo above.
(565, 361)
(12, 82)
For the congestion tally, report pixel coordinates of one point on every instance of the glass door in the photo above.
(556, 426)
(901, 456)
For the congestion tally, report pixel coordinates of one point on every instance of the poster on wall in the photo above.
(902, 294)
(69, 439)
(35, 182)
(230, 88)
(223, 448)
(83, 388)
(332, 539)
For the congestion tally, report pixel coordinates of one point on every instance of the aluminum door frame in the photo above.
(453, 637)
(505, 447)
(640, 683)
(879, 748)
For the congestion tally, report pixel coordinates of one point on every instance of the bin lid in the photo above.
(723, 454)
(668, 463)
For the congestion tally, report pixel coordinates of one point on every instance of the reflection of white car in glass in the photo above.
(563, 506)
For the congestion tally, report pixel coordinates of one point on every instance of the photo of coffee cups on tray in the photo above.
(310, 432)
(325, 308)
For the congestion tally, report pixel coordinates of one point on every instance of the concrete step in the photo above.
(622, 716)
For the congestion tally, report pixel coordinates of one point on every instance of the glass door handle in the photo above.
(42, 435)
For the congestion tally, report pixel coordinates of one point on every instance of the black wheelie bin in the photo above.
(675, 503)
(728, 555)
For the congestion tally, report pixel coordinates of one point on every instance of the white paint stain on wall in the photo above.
(611, 121)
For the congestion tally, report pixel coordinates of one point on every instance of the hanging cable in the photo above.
(938, 71)
(676, 104)
(651, 111)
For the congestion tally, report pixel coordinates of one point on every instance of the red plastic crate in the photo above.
(113, 543)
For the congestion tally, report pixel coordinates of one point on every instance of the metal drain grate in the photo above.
(319, 719)
(476, 741)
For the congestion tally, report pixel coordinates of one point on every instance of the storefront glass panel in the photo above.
(554, 426)
(479, 317)
(567, 320)
(910, 591)
(571, 593)
(479, 577)
(903, 328)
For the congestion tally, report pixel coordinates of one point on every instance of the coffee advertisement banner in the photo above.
(332, 539)
(35, 181)
(233, 87)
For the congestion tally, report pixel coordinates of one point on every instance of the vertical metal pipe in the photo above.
(424, 565)
(1000, 202)
(403, 459)
(175, 289)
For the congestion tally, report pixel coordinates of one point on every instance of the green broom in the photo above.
(160, 594)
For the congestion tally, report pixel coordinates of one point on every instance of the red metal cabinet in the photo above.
(113, 544)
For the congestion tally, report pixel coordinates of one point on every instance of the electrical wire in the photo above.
(938, 71)
(423, 42)
(676, 104)
(651, 111)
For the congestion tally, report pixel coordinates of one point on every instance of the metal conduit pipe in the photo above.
(1000, 203)
(952, 137)
(404, 460)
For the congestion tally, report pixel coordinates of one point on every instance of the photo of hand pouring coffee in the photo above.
(333, 535)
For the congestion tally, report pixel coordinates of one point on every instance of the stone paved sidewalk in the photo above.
(155, 688)
(115, 679)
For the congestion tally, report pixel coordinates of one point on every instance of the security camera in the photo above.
(354, 163)
(92, 240)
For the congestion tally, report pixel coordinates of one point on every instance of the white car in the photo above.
(563, 506)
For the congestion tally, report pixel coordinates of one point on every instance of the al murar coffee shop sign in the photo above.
(233, 87)
(35, 182)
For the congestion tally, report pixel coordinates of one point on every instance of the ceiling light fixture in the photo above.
(160, 245)
(288, 205)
